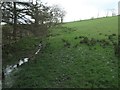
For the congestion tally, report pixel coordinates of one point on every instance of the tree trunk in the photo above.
(15, 22)
(61, 19)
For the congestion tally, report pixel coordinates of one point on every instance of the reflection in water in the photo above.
(6, 73)
(26, 60)
(15, 66)
(20, 62)
(37, 51)
(10, 68)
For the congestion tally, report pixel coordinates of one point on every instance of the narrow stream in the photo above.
(10, 68)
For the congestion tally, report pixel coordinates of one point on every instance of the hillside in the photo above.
(79, 54)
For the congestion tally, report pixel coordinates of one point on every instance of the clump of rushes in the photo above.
(66, 43)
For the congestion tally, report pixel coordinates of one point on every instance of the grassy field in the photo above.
(79, 54)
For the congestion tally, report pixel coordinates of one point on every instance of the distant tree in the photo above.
(113, 12)
(62, 14)
(41, 15)
(58, 13)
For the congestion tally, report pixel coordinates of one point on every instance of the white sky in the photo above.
(84, 9)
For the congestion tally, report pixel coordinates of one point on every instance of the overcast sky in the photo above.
(85, 9)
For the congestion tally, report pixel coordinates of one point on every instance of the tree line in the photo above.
(25, 19)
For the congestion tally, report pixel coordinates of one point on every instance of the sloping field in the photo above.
(79, 54)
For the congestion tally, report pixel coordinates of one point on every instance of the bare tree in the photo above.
(62, 15)
(58, 13)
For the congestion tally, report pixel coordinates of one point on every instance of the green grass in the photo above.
(14, 52)
(81, 67)
(90, 28)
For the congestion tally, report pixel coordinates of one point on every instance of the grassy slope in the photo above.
(83, 66)
(14, 52)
